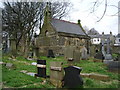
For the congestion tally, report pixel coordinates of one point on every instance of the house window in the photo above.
(98, 39)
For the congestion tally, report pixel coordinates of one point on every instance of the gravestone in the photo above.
(30, 55)
(72, 77)
(69, 52)
(113, 65)
(108, 55)
(100, 54)
(56, 73)
(50, 54)
(77, 55)
(41, 68)
(72, 52)
(9, 65)
(35, 52)
(84, 54)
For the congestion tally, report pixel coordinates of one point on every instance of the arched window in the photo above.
(46, 33)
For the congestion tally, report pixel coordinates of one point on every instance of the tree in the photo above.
(95, 4)
(20, 18)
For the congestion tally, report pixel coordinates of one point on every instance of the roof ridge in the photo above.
(65, 21)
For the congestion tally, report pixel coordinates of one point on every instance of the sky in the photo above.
(81, 10)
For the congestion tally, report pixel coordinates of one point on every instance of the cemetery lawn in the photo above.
(13, 78)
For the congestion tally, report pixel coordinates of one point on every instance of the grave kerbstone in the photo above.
(56, 74)
(72, 77)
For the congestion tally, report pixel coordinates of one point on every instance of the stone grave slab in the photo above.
(56, 73)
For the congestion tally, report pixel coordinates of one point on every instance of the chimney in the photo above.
(79, 21)
(110, 33)
(102, 33)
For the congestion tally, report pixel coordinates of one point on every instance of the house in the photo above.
(95, 39)
(117, 40)
(56, 34)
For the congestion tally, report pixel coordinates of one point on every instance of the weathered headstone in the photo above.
(113, 65)
(100, 54)
(9, 65)
(72, 52)
(69, 52)
(41, 68)
(56, 73)
(72, 77)
(30, 55)
(35, 52)
(108, 55)
(77, 55)
(50, 54)
(84, 54)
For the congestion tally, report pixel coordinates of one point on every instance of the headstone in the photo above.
(30, 56)
(9, 65)
(41, 68)
(56, 73)
(72, 77)
(100, 54)
(77, 55)
(84, 54)
(35, 52)
(112, 65)
(50, 54)
(108, 55)
(69, 52)
(72, 52)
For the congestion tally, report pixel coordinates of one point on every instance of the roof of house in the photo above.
(67, 27)
(118, 36)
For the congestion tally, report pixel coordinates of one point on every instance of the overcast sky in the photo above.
(81, 11)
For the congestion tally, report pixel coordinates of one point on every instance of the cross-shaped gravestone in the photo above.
(108, 55)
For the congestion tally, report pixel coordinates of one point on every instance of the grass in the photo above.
(14, 78)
